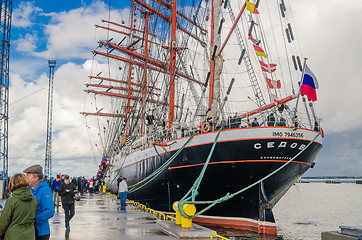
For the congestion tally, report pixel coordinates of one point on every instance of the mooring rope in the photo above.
(152, 176)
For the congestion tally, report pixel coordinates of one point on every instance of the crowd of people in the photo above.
(33, 200)
(102, 168)
(235, 122)
(82, 184)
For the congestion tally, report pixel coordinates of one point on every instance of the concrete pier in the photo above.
(345, 233)
(337, 236)
(99, 216)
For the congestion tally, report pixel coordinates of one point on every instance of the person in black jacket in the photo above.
(271, 120)
(74, 181)
(66, 191)
(120, 179)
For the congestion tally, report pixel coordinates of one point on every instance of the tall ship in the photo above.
(205, 102)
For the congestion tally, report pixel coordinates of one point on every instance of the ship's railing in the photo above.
(234, 121)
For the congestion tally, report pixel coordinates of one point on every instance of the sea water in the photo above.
(308, 209)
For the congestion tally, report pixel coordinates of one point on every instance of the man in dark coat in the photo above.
(271, 120)
(283, 122)
(79, 180)
(66, 191)
(255, 123)
(74, 181)
(83, 183)
(120, 179)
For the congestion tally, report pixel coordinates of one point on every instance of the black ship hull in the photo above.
(236, 163)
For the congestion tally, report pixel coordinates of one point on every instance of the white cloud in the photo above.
(26, 44)
(72, 34)
(329, 34)
(27, 123)
(24, 15)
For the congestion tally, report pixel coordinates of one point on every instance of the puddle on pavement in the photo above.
(237, 234)
(305, 223)
(103, 207)
(138, 232)
(107, 219)
(140, 218)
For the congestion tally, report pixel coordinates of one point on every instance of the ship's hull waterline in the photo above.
(241, 157)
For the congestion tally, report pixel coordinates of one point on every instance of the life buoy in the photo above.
(322, 132)
(205, 127)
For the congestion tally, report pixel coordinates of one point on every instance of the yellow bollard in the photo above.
(178, 215)
(189, 210)
(104, 189)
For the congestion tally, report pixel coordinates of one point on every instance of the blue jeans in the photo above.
(123, 197)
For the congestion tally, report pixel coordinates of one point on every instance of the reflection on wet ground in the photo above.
(237, 234)
(100, 216)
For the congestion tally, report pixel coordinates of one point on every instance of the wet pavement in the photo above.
(99, 216)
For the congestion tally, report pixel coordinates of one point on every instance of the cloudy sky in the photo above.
(328, 31)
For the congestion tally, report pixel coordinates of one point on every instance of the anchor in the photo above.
(265, 210)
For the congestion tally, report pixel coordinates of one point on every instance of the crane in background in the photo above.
(5, 27)
(48, 148)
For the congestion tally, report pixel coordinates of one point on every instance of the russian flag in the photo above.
(309, 84)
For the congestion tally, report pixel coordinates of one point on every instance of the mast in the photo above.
(144, 83)
(171, 113)
(146, 61)
(212, 60)
(300, 88)
(216, 62)
(128, 107)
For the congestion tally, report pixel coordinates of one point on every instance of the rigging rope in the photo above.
(286, 50)
(152, 176)
(195, 187)
(90, 142)
(277, 51)
(228, 195)
(296, 33)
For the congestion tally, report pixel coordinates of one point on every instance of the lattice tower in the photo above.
(48, 149)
